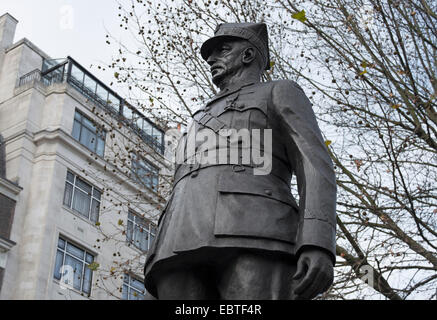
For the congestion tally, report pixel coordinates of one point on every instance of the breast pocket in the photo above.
(255, 206)
(245, 114)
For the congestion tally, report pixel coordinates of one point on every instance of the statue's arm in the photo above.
(317, 189)
(313, 167)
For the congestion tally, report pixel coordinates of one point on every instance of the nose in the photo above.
(212, 58)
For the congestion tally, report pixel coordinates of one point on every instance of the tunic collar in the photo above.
(229, 90)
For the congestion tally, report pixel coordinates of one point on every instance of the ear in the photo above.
(248, 55)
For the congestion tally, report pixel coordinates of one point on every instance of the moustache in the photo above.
(217, 65)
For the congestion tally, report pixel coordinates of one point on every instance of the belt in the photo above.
(278, 169)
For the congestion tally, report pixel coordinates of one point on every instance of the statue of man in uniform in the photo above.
(232, 228)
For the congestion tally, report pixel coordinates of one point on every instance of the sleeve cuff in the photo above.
(317, 233)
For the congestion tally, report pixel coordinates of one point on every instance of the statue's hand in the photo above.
(315, 271)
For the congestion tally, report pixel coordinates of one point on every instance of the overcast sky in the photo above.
(62, 28)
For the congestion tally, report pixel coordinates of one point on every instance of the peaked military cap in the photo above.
(255, 33)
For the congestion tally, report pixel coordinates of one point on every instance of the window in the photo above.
(55, 75)
(89, 87)
(113, 102)
(102, 95)
(128, 113)
(92, 88)
(140, 122)
(140, 231)
(76, 77)
(72, 266)
(82, 197)
(133, 289)
(145, 173)
(157, 135)
(147, 128)
(87, 134)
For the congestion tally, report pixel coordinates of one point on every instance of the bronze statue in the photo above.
(229, 231)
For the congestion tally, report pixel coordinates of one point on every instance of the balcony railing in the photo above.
(68, 70)
(47, 79)
(29, 77)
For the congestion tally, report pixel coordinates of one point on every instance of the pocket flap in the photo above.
(262, 185)
(242, 105)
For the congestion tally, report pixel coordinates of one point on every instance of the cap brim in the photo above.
(211, 43)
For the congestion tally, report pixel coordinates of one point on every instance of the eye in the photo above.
(225, 49)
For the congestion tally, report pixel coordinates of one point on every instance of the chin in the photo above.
(217, 79)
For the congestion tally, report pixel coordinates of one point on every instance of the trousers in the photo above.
(229, 274)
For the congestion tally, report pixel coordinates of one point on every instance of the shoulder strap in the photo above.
(209, 121)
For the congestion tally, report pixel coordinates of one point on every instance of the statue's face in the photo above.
(226, 60)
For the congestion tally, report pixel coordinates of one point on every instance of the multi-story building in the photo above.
(84, 171)
(8, 196)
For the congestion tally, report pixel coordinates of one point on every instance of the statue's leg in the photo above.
(186, 284)
(256, 275)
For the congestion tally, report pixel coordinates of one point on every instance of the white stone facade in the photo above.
(36, 121)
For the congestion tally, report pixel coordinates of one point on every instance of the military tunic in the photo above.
(227, 206)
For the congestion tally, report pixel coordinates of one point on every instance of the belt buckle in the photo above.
(238, 168)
